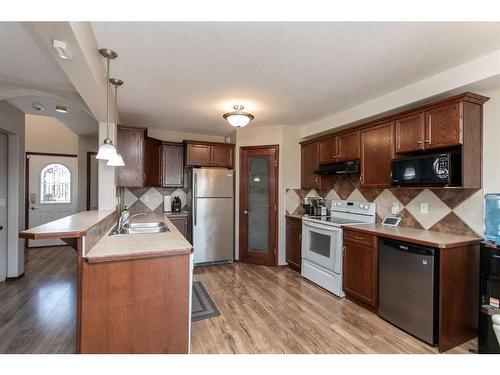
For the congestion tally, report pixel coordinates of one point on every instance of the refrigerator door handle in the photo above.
(195, 193)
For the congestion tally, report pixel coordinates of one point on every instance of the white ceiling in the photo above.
(24, 61)
(184, 76)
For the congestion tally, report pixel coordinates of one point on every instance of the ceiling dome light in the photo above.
(61, 50)
(238, 118)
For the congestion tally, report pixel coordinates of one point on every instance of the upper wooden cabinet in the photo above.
(444, 126)
(339, 148)
(348, 146)
(327, 150)
(152, 162)
(410, 133)
(131, 143)
(310, 163)
(173, 164)
(376, 154)
(204, 154)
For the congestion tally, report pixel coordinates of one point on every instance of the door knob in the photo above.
(1, 227)
(246, 212)
(34, 208)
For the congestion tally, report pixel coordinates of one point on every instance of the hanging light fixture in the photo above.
(116, 160)
(107, 150)
(238, 118)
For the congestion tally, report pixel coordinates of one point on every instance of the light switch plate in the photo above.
(424, 208)
(394, 208)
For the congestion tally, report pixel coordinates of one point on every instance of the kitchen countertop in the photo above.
(73, 226)
(420, 236)
(132, 246)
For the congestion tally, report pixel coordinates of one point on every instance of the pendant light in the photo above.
(107, 150)
(116, 160)
(238, 118)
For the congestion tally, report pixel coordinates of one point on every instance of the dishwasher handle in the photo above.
(408, 247)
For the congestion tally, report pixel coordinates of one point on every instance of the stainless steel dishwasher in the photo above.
(408, 288)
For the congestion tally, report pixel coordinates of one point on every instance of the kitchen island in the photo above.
(133, 290)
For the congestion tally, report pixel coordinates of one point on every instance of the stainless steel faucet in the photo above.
(125, 220)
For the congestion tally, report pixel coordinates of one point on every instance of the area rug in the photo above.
(202, 305)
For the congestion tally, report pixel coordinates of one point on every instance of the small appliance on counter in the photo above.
(314, 206)
(167, 203)
(176, 204)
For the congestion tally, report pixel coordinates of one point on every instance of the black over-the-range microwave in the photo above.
(444, 169)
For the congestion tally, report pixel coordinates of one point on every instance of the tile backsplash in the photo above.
(150, 199)
(450, 210)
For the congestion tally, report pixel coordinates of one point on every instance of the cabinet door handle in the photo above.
(300, 236)
(427, 141)
(419, 142)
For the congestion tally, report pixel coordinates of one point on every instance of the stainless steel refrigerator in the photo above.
(213, 215)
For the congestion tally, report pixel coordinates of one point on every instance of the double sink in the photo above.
(141, 228)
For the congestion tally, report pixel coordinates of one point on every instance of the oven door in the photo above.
(322, 245)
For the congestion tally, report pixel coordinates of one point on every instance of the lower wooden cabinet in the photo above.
(360, 262)
(294, 242)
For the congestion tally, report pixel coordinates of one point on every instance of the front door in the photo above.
(3, 206)
(259, 204)
(52, 191)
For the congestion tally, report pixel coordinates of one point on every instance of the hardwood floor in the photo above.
(263, 310)
(274, 310)
(38, 311)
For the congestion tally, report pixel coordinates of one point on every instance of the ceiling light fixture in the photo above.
(106, 149)
(116, 160)
(38, 107)
(238, 118)
(61, 109)
(60, 48)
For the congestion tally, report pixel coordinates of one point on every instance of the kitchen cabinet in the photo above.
(152, 162)
(327, 150)
(310, 163)
(181, 223)
(443, 126)
(173, 164)
(377, 151)
(410, 133)
(294, 242)
(142, 157)
(348, 146)
(339, 148)
(360, 272)
(131, 145)
(204, 154)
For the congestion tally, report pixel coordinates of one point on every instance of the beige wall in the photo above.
(174, 136)
(48, 134)
(12, 123)
(289, 169)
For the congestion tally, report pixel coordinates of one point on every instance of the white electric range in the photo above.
(322, 242)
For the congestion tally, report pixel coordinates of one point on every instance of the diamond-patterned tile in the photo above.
(138, 207)
(356, 196)
(454, 197)
(332, 194)
(384, 203)
(152, 199)
(370, 194)
(312, 193)
(138, 191)
(406, 194)
(451, 223)
(471, 212)
(292, 201)
(128, 198)
(436, 208)
(407, 220)
(182, 195)
(343, 187)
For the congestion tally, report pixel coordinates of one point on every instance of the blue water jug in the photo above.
(492, 220)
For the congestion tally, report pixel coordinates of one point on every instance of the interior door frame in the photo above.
(89, 159)
(27, 185)
(273, 220)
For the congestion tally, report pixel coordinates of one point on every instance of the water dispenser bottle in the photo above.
(492, 220)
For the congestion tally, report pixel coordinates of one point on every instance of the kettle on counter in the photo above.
(176, 204)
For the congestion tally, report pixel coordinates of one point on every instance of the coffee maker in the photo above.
(314, 206)
(176, 204)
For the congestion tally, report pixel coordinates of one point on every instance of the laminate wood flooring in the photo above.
(275, 310)
(263, 310)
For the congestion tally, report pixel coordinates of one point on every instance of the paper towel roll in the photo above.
(167, 203)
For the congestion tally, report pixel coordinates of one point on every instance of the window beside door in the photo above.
(55, 184)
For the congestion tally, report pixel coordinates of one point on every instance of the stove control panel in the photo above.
(353, 207)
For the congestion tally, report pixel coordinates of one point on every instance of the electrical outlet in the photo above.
(395, 208)
(424, 208)
(146, 198)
